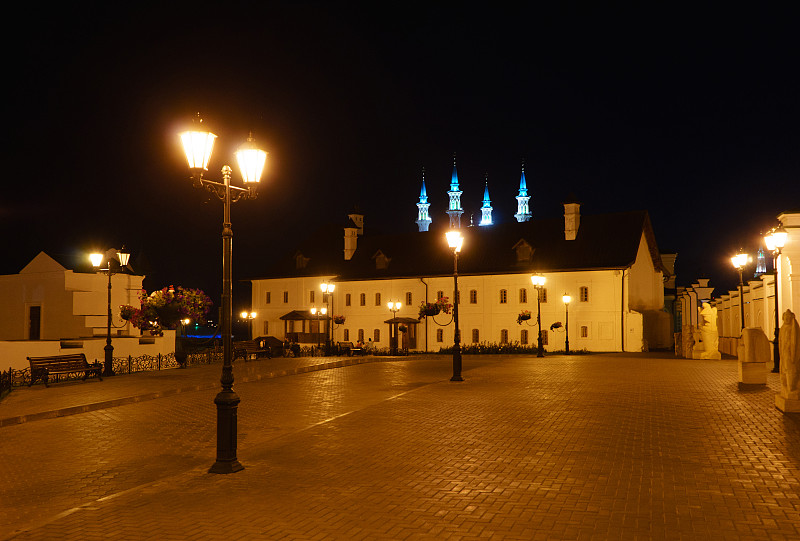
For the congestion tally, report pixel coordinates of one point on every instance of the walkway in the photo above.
(585, 447)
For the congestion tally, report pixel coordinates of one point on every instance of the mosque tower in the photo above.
(455, 211)
(486, 209)
(523, 210)
(761, 263)
(423, 218)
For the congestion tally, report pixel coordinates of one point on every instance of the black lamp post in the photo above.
(538, 283)
(739, 261)
(394, 307)
(198, 145)
(327, 295)
(120, 259)
(455, 240)
(775, 241)
(567, 299)
(316, 312)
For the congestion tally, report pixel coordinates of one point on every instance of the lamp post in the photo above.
(249, 317)
(538, 282)
(567, 299)
(455, 240)
(327, 295)
(775, 241)
(120, 258)
(739, 261)
(394, 307)
(197, 145)
(318, 312)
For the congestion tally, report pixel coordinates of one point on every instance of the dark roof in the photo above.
(605, 241)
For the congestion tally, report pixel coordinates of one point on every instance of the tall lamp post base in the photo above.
(227, 406)
(108, 365)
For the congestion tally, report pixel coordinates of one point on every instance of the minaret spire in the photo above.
(523, 209)
(454, 210)
(423, 217)
(486, 209)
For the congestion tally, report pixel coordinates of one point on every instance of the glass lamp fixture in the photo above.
(327, 287)
(537, 280)
(776, 239)
(197, 146)
(251, 161)
(455, 240)
(566, 298)
(96, 259)
(394, 306)
(740, 260)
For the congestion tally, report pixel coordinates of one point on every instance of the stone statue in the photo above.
(789, 342)
(708, 347)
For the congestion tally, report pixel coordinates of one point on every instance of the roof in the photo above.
(605, 241)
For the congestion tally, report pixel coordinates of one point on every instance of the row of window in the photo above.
(583, 296)
(523, 336)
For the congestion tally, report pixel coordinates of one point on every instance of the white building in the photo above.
(609, 264)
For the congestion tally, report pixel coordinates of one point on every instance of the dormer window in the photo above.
(300, 261)
(381, 260)
(524, 251)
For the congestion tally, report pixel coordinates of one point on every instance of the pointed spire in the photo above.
(423, 216)
(454, 210)
(523, 208)
(486, 209)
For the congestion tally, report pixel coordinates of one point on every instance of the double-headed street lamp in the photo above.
(112, 258)
(567, 299)
(249, 317)
(538, 283)
(327, 295)
(455, 240)
(775, 241)
(197, 145)
(739, 261)
(394, 307)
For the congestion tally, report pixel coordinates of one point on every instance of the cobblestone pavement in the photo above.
(607, 446)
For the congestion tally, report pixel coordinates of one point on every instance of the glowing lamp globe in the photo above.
(197, 146)
(251, 161)
(739, 260)
(537, 280)
(96, 259)
(454, 240)
(566, 298)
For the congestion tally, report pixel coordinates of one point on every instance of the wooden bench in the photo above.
(347, 348)
(54, 365)
(249, 349)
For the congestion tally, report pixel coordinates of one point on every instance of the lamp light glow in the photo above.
(538, 280)
(197, 145)
(251, 161)
(455, 240)
(96, 259)
(566, 298)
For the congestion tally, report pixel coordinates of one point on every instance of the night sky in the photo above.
(691, 115)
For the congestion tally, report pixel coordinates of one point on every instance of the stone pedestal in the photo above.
(754, 352)
(787, 405)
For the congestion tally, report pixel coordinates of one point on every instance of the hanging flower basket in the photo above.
(523, 316)
(556, 325)
(339, 320)
(434, 308)
(402, 328)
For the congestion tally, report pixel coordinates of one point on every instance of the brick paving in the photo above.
(587, 447)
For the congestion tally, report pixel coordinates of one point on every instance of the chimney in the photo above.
(572, 220)
(350, 241)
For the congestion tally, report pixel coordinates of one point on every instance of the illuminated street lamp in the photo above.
(775, 241)
(394, 307)
(739, 261)
(119, 259)
(249, 317)
(318, 312)
(567, 299)
(538, 282)
(327, 295)
(455, 240)
(197, 145)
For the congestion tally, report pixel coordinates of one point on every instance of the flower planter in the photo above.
(432, 311)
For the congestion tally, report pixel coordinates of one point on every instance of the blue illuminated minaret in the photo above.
(455, 211)
(486, 209)
(523, 209)
(423, 218)
(761, 263)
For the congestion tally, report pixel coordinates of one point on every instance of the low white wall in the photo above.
(14, 353)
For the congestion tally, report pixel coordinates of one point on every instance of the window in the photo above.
(504, 336)
(543, 294)
(475, 336)
(266, 328)
(523, 295)
(473, 296)
(409, 299)
(503, 296)
(285, 297)
(269, 297)
(347, 301)
(439, 295)
(347, 335)
(584, 331)
(583, 295)
(377, 336)
(363, 299)
(544, 337)
(439, 335)
(523, 337)
(377, 299)
(360, 335)
(311, 296)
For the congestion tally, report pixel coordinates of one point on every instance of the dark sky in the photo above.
(692, 115)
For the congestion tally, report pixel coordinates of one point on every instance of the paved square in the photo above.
(608, 446)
